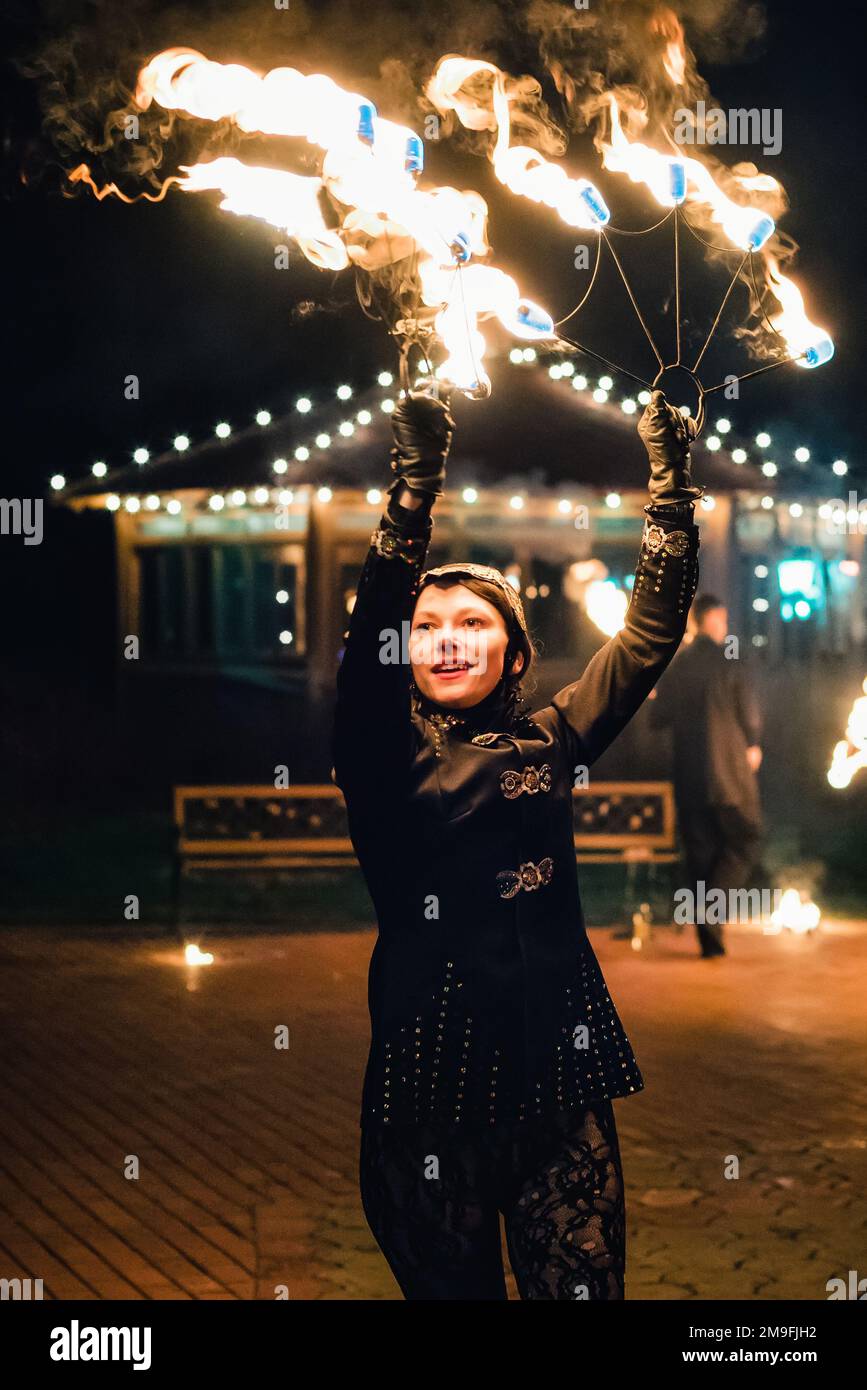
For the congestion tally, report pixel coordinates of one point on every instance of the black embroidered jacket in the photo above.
(486, 999)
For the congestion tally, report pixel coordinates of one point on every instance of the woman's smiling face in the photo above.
(457, 645)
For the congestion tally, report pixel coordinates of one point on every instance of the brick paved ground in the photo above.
(248, 1153)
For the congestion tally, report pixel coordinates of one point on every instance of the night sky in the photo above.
(188, 298)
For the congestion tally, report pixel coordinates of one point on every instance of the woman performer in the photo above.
(496, 1051)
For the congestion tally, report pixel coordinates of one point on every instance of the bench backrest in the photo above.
(307, 823)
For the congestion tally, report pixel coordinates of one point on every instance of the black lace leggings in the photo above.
(432, 1199)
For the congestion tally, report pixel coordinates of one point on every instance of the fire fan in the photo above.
(423, 255)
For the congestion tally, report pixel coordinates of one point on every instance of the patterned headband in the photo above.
(491, 576)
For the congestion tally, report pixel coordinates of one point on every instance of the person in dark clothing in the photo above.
(709, 705)
(496, 1050)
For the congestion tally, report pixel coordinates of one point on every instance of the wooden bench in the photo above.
(238, 828)
(232, 828)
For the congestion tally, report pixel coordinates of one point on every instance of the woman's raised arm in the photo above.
(592, 710)
(372, 723)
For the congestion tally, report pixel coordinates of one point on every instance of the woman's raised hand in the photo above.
(423, 429)
(667, 437)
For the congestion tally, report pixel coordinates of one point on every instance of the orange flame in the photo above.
(666, 26)
(459, 85)
(644, 164)
(385, 216)
(850, 754)
(81, 174)
(791, 321)
(623, 154)
(523, 170)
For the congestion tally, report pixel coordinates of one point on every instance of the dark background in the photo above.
(187, 297)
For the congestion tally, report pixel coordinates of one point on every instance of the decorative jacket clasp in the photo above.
(674, 543)
(529, 876)
(531, 781)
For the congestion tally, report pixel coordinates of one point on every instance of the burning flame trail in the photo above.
(460, 84)
(82, 174)
(370, 173)
(749, 228)
(370, 169)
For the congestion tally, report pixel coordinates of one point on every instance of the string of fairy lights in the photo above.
(600, 390)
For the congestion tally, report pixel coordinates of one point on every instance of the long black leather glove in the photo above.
(423, 430)
(667, 437)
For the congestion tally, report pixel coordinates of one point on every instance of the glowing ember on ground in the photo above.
(796, 912)
(194, 956)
